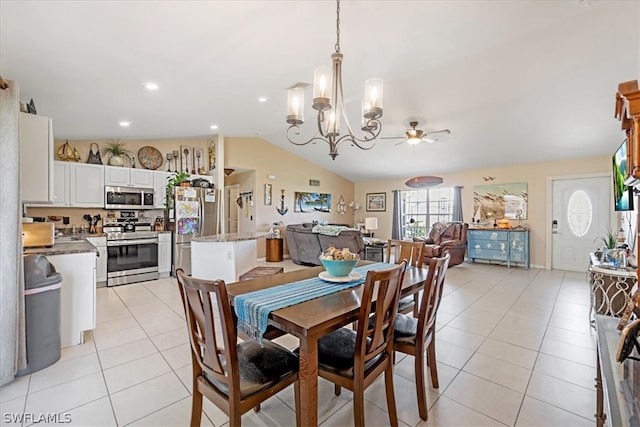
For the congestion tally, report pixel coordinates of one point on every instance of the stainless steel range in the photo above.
(132, 250)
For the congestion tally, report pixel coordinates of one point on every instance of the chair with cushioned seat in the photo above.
(415, 336)
(235, 376)
(397, 250)
(355, 359)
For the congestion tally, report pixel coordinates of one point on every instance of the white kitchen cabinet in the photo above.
(86, 187)
(101, 261)
(128, 177)
(160, 180)
(164, 254)
(78, 294)
(60, 184)
(36, 159)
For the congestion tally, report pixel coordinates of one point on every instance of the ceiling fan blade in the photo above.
(391, 137)
(429, 140)
(445, 131)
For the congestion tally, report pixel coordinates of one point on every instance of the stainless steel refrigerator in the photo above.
(193, 213)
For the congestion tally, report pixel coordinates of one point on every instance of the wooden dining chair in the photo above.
(355, 359)
(234, 376)
(415, 336)
(397, 250)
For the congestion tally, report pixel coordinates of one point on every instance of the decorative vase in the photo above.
(116, 160)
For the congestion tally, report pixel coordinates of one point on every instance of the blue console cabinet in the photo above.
(510, 246)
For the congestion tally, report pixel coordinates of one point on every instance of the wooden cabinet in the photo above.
(36, 159)
(164, 254)
(86, 187)
(510, 246)
(128, 177)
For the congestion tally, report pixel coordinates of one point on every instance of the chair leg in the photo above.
(296, 392)
(421, 393)
(256, 408)
(391, 398)
(337, 389)
(431, 357)
(235, 418)
(358, 406)
(196, 406)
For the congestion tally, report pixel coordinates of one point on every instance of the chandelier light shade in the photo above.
(328, 101)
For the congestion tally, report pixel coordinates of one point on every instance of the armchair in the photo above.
(443, 237)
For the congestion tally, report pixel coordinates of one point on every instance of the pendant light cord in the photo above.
(338, 27)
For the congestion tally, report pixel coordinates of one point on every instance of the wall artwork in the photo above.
(312, 202)
(376, 202)
(267, 194)
(498, 201)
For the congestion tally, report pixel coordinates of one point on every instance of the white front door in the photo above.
(581, 213)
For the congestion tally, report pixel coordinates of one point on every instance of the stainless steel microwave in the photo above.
(128, 198)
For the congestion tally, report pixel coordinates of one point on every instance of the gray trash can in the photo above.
(42, 313)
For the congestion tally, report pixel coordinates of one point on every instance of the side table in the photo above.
(374, 251)
(274, 250)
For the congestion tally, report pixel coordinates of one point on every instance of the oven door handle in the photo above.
(131, 242)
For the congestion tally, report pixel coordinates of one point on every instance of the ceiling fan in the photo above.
(415, 136)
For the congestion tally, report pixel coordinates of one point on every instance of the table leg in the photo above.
(600, 415)
(309, 381)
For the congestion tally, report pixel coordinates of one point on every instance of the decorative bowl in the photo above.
(338, 268)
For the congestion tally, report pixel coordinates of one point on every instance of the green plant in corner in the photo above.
(174, 181)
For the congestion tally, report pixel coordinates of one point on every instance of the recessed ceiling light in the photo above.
(262, 99)
(151, 85)
(214, 127)
(125, 124)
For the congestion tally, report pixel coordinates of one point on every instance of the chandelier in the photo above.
(329, 102)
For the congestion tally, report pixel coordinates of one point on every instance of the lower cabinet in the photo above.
(101, 261)
(78, 294)
(164, 254)
(510, 246)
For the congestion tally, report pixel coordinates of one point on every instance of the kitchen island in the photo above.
(224, 256)
(76, 261)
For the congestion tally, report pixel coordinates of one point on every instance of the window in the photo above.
(421, 208)
(579, 213)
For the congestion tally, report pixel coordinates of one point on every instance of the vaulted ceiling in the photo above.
(515, 81)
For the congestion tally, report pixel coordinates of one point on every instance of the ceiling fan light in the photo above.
(413, 140)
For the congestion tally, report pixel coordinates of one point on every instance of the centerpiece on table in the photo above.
(339, 264)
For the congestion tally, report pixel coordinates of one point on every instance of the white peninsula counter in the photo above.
(224, 256)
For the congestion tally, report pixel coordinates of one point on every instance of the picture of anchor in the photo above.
(282, 209)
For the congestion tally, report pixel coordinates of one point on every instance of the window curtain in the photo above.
(12, 339)
(396, 220)
(457, 204)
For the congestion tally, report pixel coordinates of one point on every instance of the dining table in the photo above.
(310, 320)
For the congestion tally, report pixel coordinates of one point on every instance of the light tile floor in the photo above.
(514, 348)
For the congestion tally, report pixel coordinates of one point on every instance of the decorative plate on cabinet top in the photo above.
(150, 157)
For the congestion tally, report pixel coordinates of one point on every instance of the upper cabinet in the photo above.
(86, 187)
(36, 159)
(128, 177)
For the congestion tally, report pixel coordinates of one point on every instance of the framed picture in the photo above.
(267, 194)
(499, 201)
(312, 202)
(376, 202)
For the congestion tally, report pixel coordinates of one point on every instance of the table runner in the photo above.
(253, 308)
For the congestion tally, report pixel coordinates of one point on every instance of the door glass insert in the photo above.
(579, 213)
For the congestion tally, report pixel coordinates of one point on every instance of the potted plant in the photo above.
(117, 153)
(609, 240)
(174, 181)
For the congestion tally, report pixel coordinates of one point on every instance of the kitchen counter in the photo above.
(62, 248)
(231, 237)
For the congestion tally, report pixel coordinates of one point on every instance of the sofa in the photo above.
(443, 237)
(305, 246)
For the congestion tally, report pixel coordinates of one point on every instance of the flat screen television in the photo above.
(622, 195)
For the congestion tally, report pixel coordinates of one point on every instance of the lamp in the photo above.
(370, 224)
(328, 100)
